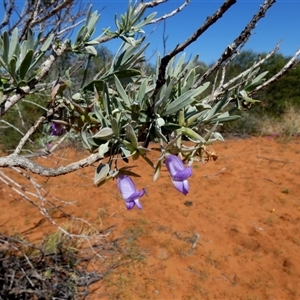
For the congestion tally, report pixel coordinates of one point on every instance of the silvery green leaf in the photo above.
(47, 43)
(103, 148)
(157, 170)
(91, 24)
(218, 136)
(86, 144)
(146, 20)
(257, 80)
(190, 133)
(225, 117)
(126, 152)
(184, 100)
(121, 91)
(91, 50)
(192, 63)
(23, 51)
(13, 44)
(101, 172)
(210, 132)
(179, 65)
(245, 96)
(106, 100)
(189, 81)
(80, 36)
(12, 67)
(88, 14)
(114, 126)
(25, 65)
(131, 135)
(160, 122)
(217, 107)
(105, 133)
(5, 39)
(129, 40)
(142, 91)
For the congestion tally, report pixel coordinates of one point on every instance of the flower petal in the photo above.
(181, 186)
(183, 174)
(126, 187)
(129, 192)
(136, 194)
(129, 205)
(138, 203)
(173, 164)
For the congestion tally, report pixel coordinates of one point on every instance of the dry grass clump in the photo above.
(287, 125)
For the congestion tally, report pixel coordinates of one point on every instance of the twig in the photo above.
(209, 176)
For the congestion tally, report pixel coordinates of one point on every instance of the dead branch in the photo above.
(166, 59)
(30, 166)
(290, 64)
(238, 42)
(171, 14)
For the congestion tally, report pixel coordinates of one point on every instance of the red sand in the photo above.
(237, 237)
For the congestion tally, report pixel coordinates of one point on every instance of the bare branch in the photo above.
(238, 42)
(28, 165)
(171, 14)
(8, 12)
(290, 64)
(209, 22)
(224, 87)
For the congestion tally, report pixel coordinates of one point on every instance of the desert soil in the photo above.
(236, 235)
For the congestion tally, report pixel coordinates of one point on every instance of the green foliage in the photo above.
(275, 99)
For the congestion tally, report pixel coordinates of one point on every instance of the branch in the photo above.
(171, 14)
(166, 59)
(8, 12)
(22, 92)
(238, 42)
(30, 166)
(222, 88)
(290, 64)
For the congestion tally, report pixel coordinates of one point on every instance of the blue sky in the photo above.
(281, 23)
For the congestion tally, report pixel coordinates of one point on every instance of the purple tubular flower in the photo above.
(179, 173)
(57, 129)
(129, 192)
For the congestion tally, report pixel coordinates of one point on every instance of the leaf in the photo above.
(24, 67)
(101, 173)
(84, 138)
(114, 126)
(105, 133)
(132, 136)
(121, 91)
(192, 134)
(13, 44)
(157, 170)
(142, 91)
(47, 43)
(12, 67)
(184, 100)
(103, 148)
(91, 50)
(5, 47)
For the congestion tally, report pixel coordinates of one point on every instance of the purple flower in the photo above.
(129, 192)
(57, 129)
(179, 173)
